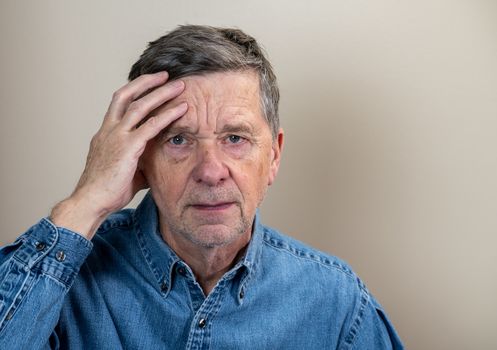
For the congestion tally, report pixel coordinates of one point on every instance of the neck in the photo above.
(208, 264)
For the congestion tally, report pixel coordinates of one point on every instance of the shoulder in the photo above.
(333, 281)
(287, 248)
(330, 282)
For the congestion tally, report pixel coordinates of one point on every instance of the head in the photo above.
(209, 170)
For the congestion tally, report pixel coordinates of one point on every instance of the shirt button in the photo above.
(60, 256)
(163, 287)
(182, 271)
(242, 294)
(202, 323)
(40, 246)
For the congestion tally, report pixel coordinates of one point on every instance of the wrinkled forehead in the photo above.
(217, 90)
(220, 97)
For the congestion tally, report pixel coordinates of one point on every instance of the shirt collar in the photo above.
(161, 259)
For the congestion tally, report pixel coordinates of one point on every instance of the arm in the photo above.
(38, 269)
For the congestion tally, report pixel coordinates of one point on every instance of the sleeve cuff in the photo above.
(54, 251)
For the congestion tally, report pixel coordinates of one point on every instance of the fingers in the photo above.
(122, 98)
(155, 124)
(140, 108)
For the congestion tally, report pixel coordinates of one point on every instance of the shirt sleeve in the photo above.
(36, 271)
(375, 331)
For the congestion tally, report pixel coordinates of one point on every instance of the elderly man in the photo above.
(192, 267)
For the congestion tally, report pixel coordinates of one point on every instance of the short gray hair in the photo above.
(195, 49)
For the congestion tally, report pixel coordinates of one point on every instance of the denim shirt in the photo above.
(126, 289)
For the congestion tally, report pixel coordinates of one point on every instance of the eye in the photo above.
(177, 140)
(235, 138)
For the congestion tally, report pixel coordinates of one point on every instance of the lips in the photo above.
(212, 206)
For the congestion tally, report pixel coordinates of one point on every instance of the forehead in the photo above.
(243, 85)
(215, 98)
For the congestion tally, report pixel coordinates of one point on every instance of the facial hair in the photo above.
(209, 232)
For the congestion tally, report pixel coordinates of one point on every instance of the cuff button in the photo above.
(60, 256)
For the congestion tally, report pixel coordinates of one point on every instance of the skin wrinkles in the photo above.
(209, 185)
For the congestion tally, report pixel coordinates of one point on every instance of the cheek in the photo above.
(251, 177)
(255, 164)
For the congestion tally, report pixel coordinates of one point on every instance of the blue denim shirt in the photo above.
(128, 290)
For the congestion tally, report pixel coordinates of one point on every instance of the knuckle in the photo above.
(118, 96)
(122, 95)
(152, 122)
(135, 107)
(152, 126)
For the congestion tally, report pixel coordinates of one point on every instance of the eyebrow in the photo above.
(237, 128)
(244, 128)
(178, 129)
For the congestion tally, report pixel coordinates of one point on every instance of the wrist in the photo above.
(77, 214)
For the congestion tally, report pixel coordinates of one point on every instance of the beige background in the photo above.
(390, 112)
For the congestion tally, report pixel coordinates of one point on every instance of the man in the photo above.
(192, 267)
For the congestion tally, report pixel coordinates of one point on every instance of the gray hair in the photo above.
(194, 49)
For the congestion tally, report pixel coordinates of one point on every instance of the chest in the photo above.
(133, 315)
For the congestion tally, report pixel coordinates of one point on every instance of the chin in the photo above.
(214, 236)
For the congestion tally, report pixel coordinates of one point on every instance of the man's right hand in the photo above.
(111, 177)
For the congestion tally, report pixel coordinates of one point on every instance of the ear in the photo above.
(276, 150)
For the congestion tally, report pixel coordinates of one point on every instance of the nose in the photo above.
(210, 169)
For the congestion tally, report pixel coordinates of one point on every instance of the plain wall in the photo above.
(390, 113)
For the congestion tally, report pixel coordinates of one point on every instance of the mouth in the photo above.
(212, 206)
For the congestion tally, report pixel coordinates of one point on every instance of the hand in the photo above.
(111, 177)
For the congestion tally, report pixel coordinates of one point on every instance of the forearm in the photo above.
(35, 274)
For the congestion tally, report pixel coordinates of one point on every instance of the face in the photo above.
(209, 170)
